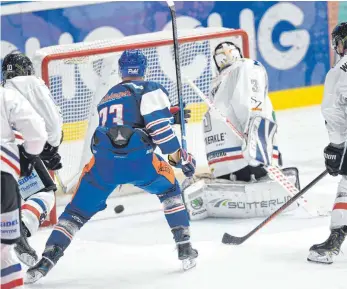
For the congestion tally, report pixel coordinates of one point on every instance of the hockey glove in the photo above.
(48, 151)
(186, 163)
(333, 154)
(27, 162)
(54, 163)
(51, 157)
(175, 111)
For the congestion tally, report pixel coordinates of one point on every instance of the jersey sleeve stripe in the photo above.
(160, 130)
(10, 164)
(9, 153)
(164, 140)
(158, 121)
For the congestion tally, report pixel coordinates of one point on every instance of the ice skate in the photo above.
(185, 251)
(325, 252)
(25, 253)
(49, 258)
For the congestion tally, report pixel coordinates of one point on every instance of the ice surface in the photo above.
(135, 249)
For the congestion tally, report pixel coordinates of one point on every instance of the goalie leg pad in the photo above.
(209, 197)
(194, 199)
(36, 209)
(339, 212)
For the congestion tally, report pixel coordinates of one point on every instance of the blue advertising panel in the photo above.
(290, 38)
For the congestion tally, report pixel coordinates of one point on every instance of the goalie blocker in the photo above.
(206, 196)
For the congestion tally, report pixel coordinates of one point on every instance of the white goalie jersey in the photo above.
(240, 92)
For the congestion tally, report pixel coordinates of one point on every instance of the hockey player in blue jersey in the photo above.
(134, 119)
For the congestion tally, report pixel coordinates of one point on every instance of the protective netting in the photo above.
(84, 72)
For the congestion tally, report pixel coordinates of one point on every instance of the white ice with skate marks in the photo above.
(135, 249)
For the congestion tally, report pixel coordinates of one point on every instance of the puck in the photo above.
(118, 209)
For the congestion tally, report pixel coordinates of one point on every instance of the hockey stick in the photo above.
(60, 182)
(72, 182)
(274, 172)
(229, 239)
(171, 5)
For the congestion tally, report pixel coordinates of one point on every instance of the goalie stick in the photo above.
(171, 5)
(274, 172)
(229, 239)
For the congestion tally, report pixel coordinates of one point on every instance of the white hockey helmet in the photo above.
(225, 54)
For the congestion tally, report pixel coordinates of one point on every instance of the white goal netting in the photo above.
(80, 74)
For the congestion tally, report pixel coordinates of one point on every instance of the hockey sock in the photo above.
(68, 224)
(174, 208)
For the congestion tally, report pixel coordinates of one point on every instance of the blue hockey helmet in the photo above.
(132, 63)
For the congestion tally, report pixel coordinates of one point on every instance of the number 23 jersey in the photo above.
(142, 105)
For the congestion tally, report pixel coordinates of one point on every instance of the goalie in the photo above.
(239, 186)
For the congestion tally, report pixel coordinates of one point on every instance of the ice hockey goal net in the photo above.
(80, 74)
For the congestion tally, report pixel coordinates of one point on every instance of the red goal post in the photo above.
(69, 69)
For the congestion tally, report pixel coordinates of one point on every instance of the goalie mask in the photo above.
(225, 54)
(132, 63)
(16, 64)
(339, 36)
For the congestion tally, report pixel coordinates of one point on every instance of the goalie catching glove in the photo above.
(186, 162)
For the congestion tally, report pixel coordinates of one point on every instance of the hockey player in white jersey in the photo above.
(15, 162)
(38, 189)
(238, 187)
(334, 108)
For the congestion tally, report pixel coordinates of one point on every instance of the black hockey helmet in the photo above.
(338, 35)
(16, 64)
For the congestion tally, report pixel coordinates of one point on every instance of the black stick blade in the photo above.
(232, 240)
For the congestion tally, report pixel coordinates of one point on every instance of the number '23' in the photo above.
(116, 109)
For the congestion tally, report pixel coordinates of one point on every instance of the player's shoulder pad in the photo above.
(143, 87)
(152, 86)
(29, 81)
(250, 62)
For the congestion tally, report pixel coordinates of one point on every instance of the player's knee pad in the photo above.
(339, 212)
(36, 209)
(74, 217)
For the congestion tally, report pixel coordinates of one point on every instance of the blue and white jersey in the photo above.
(140, 105)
